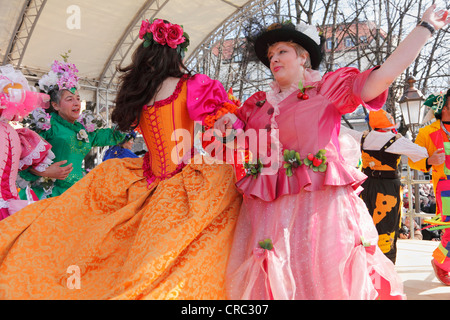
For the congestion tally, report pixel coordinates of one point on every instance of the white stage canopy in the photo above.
(100, 34)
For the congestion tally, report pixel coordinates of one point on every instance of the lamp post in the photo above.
(413, 111)
(412, 107)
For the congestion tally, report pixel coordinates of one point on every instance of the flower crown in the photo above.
(164, 33)
(62, 76)
(436, 102)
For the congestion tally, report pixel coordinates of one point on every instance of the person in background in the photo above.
(71, 141)
(436, 139)
(123, 149)
(20, 148)
(381, 154)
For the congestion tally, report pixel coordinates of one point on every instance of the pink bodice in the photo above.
(307, 126)
(19, 149)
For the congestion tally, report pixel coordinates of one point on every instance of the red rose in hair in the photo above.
(174, 36)
(144, 29)
(159, 31)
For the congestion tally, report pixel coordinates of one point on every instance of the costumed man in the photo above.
(436, 138)
(123, 149)
(381, 151)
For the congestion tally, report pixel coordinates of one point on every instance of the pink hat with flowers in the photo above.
(17, 98)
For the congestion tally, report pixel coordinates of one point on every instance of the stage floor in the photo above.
(414, 267)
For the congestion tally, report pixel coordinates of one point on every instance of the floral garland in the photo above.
(91, 121)
(38, 120)
(158, 31)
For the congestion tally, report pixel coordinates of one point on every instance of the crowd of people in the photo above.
(177, 223)
(427, 204)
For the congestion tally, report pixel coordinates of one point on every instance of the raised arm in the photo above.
(408, 50)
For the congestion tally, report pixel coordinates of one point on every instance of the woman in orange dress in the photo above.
(158, 227)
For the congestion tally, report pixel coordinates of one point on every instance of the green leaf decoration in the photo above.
(266, 244)
(253, 169)
(289, 172)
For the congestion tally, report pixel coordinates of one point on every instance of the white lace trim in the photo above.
(4, 204)
(35, 154)
(275, 97)
(41, 167)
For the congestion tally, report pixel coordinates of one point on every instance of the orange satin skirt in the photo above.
(111, 236)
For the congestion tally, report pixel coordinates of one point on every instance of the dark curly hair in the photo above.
(141, 81)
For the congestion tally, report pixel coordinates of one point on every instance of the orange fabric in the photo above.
(380, 119)
(158, 128)
(227, 108)
(112, 237)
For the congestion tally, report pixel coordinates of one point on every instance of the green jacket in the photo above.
(67, 144)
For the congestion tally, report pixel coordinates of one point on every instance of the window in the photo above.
(329, 44)
(237, 57)
(363, 39)
(349, 42)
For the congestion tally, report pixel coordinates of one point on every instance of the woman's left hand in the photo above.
(438, 19)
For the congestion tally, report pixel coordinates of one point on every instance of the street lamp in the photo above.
(412, 107)
(413, 112)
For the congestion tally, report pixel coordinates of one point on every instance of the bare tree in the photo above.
(357, 33)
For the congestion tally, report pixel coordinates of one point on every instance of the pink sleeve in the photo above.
(205, 97)
(249, 106)
(36, 151)
(344, 86)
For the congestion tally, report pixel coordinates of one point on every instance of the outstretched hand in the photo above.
(438, 19)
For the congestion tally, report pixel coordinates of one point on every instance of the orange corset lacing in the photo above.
(168, 133)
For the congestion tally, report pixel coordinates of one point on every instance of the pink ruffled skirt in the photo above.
(324, 247)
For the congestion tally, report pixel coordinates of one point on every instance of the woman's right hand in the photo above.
(437, 158)
(55, 171)
(225, 122)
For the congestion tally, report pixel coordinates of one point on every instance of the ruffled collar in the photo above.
(76, 126)
(275, 96)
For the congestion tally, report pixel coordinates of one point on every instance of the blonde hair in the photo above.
(300, 51)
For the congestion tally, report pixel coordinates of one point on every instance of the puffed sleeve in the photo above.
(343, 88)
(250, 105)
(36, 152)
(207, 100)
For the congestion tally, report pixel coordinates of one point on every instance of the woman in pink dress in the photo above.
(303, 232)
(19, 148)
